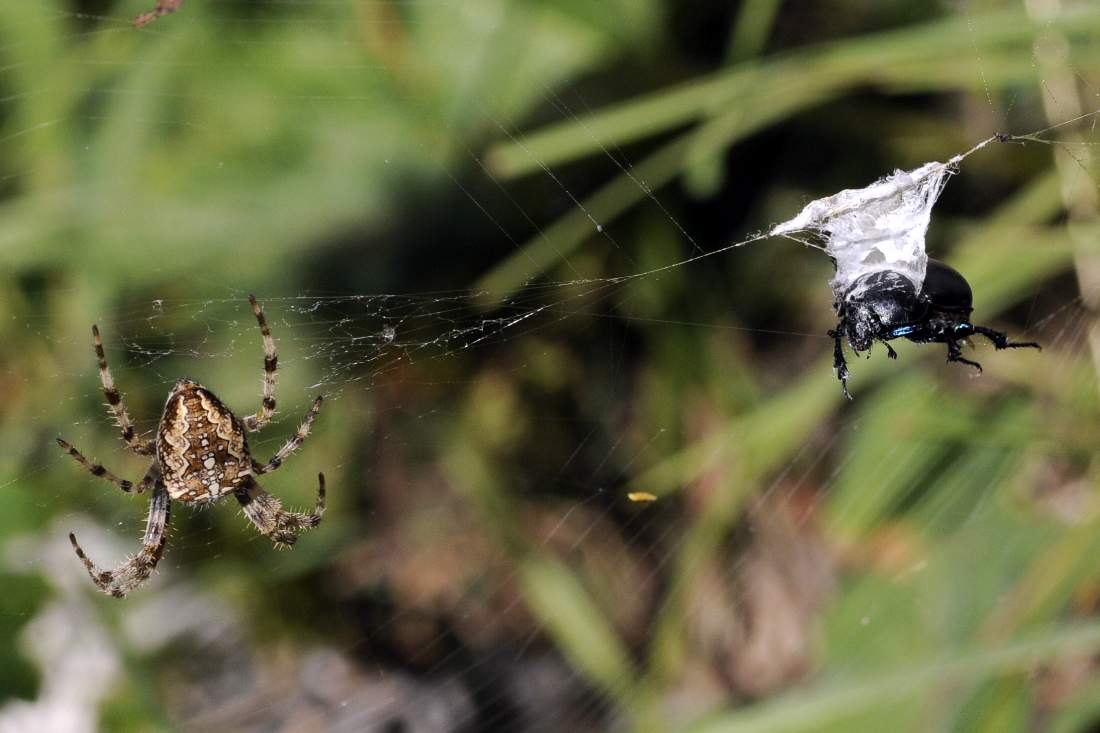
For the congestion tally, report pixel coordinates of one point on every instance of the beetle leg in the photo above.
(1000, 340)
(954, 353)
(839, 364)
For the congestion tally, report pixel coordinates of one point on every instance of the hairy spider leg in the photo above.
(271, 520)
(137, 569)
(163, 7)
(97, 469)
(271, 362)
(291, 445)
(114, 400)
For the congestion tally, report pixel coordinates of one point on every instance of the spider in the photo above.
(163, 7)
(200, 455)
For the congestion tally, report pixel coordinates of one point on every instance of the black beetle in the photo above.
(885, 305)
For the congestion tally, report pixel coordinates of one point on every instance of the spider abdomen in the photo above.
(201, 446)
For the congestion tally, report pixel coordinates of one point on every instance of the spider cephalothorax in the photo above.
(885, 305)
(200, 455)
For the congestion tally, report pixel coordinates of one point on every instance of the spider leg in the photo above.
(839, 364)
(271, 360)
(97, 469)
(267, 514)
(890, 350)
(954, 353)
(135, 570)
(1000, 340)
(114, 400)
(291, 445)
(164, 7)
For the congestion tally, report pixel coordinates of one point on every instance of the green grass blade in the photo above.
(951, 43)
(578, 626)
(811, 709)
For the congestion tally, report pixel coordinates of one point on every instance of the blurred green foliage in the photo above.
(149, 180)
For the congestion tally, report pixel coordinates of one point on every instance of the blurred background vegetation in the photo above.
(923, 558)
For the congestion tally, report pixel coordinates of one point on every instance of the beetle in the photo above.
(885, 305)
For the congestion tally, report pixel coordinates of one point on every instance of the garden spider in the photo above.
(200, 455)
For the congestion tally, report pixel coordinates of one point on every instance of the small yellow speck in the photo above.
(641, 496)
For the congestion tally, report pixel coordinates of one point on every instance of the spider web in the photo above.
(466, 578)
